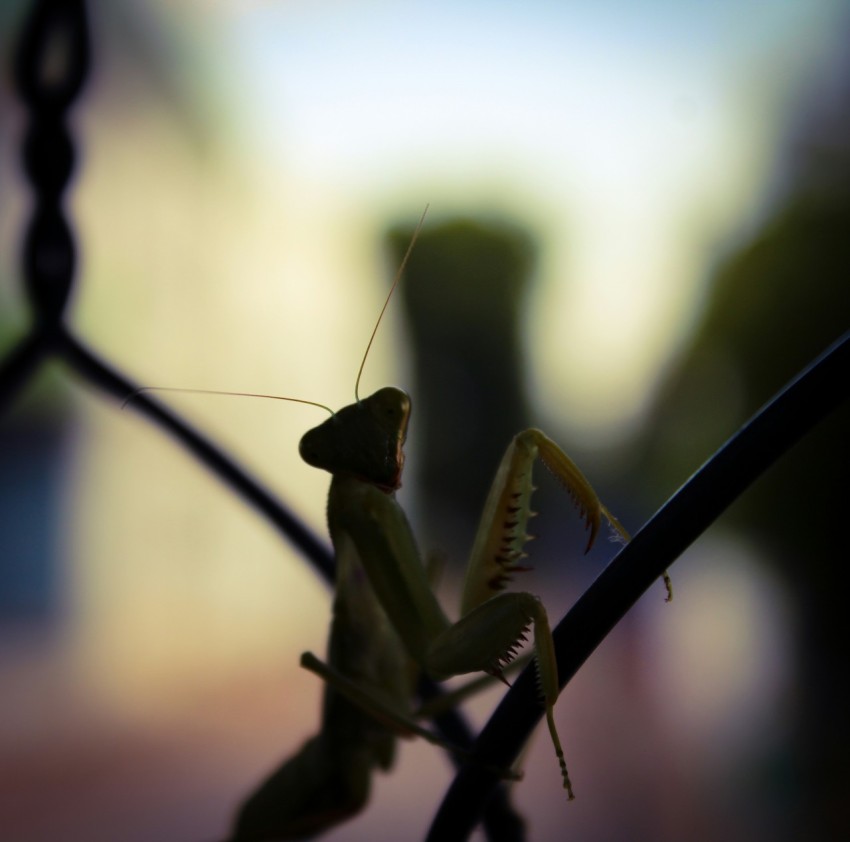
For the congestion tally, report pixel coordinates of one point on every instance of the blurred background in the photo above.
(637, 233)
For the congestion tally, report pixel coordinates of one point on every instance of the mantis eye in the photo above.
(313, 450)
(390, 404)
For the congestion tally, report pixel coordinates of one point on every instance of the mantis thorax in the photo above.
(363, 439)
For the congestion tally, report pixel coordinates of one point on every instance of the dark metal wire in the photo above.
(51, 66)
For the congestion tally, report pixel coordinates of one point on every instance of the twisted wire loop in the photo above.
(51, 65)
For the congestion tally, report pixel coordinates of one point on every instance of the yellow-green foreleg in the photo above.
(487, 639)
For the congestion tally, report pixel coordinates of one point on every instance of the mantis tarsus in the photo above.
(386, 617)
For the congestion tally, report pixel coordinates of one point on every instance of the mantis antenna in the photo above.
(137, 392)
(396, 279)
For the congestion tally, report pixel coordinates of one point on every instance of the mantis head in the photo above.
(363, 439)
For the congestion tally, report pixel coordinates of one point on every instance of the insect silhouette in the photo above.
(387, 623)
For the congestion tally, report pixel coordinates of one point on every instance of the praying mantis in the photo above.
(387, 623)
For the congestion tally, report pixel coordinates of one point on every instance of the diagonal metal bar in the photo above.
(100, 374)
(816, 392)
